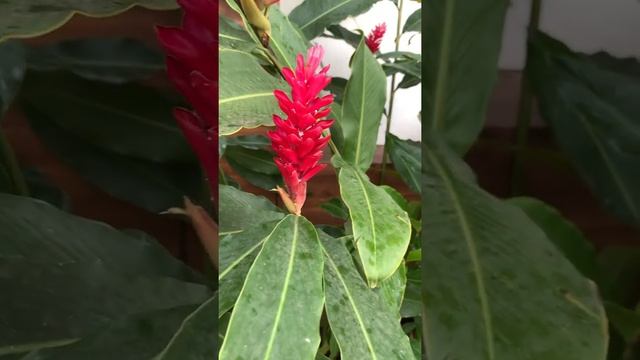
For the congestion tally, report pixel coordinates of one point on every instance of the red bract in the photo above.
(298, 140)
(374, 39)
(192, 65)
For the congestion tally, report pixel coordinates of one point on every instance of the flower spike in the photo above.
(374, 39)
(297, 140)
(192, 66)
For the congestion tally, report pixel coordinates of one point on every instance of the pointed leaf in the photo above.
(489, 267)
(406, 157)
(277, 314)
(361, 322)
(414, 22)
(593, 113)
(314, 16)
(460, 66)
(362, 108)
(381, 229)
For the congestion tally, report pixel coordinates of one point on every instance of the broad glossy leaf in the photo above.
(336, 208)
(233, 4)
(277, 314)
(593, 113)
(196, 338)
(381, 229)
(114, 118)
(362, 108)
(61, 238)
(243, 210)
(48, 303)
(253, 142)
(12, 69)
(246, 92)
(412, 301)
(286, 40)
(564, 234)
(414, 22)
(406, 157)
(361, 322)
(139, 336)
(461, 46)
(314, 16)
(237, 253)
(29, 18)
(111, 60)
(152, 186)
(495, 287)
(258, 160)
(255, 178)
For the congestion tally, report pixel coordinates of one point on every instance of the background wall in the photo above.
(586, 25)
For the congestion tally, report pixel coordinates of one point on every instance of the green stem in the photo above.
(525, 106)
(7, 156)
(392, 95)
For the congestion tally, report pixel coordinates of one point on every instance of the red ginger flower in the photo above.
(192, 66)
(298, 140)
(374, 39)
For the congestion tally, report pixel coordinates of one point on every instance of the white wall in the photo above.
(585, 25)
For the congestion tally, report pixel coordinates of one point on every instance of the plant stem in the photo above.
(392, 94)
(7, 156)
(524, 109)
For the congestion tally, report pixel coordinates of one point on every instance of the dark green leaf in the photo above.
(414, 22)
(152, 186)
(625, 321)
(286, 39)
(619, 274)
(253, 142)
(257, 160)
(488, 266)
(336, 208)
(278, 311)
(314, 16)
(29, 18)
(593, 113)
(564, 234)
(460, 66)
(243, 210)
(337, 87)
(111, 60)
(12, 69)
(340, 32)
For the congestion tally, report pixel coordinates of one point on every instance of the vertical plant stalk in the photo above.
(525, 106)
(7, 156)
(392, 95)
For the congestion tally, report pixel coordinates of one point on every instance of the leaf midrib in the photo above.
(473, 254)
(371, 219)
(285, 289)
(352, 303)
(325, 13)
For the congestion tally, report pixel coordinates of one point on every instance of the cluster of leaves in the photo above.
(73, 288)
(513, 279)
(289, 288)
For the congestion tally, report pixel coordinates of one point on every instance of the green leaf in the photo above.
(237, 253)
(12, 70)
(381, 229)
(593, 113)
(414, 22)
(391, 290)
(197, 336)
(242, 210)
(152, 186)
(286, 39)
(412, 301)
(253, 142)
(41, 188)
(233, 4)
(232, 36)
(255, 178)
(336, 87)
(30, 18)
(114, 118)
(362, 108)
(258, 160)
(406, 157)
(340, 32)
(460, 67)
(564, 234)
(115, 61)
(246, 92)
(361, 322)
(277, 314)
(336, 208)
(508, 283)
(312, 16)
